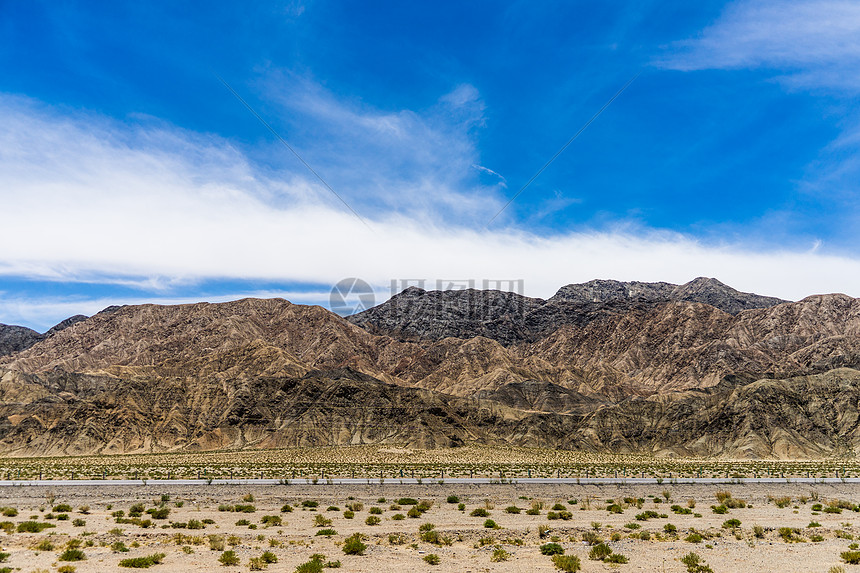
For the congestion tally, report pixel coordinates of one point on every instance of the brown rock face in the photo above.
(628, 374)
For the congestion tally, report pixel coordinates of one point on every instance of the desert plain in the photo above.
(774, 527)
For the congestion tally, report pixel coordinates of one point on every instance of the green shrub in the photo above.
(720, 509)
(480, 512)
(490, 524)
(352, 545)
(851, 557)
(375, 511)
(512, 509)
(453, 499)
(286, 508)
(599, 552)
(62, 508)
(731, 524)
(567, 563)
(118, 547)
(272, 520)
(321, 521)
(669, 528)
(72, 555)
(373, 520)
(432, 559)
(695, 564)
(789, 534)
(312, 566)
(551, 549)
(693, 538)
(159, 513)
(500, 555)
(591, 537)
(44, 545)
(142, 562)
(398, 517)
(229, 558)
(615, 558)
(33, 526)
(407, 501)
(310, 504)
(327, 532)
(348, 514)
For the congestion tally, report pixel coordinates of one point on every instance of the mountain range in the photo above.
(694, 369)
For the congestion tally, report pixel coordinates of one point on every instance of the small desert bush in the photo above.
(567, 563)
(353, 545)
(229, 558)
(33, 526)
(695, 564)
(72, 555)
(312, 566)
(142, 562)
(599, 552)
(551, 549)
(321, 521)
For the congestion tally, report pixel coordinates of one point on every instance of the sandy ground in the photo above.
(295, 540)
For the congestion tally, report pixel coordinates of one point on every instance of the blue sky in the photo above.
(129, 173)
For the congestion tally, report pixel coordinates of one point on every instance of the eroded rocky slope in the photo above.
(600, 365)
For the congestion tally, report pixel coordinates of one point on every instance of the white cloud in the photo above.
(813, 43)
(400, 160)
(84, 199)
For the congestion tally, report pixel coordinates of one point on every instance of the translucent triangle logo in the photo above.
(350, 296)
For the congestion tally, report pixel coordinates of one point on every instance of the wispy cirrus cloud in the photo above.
(809, 44)
(810, 47)
(417, 163)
